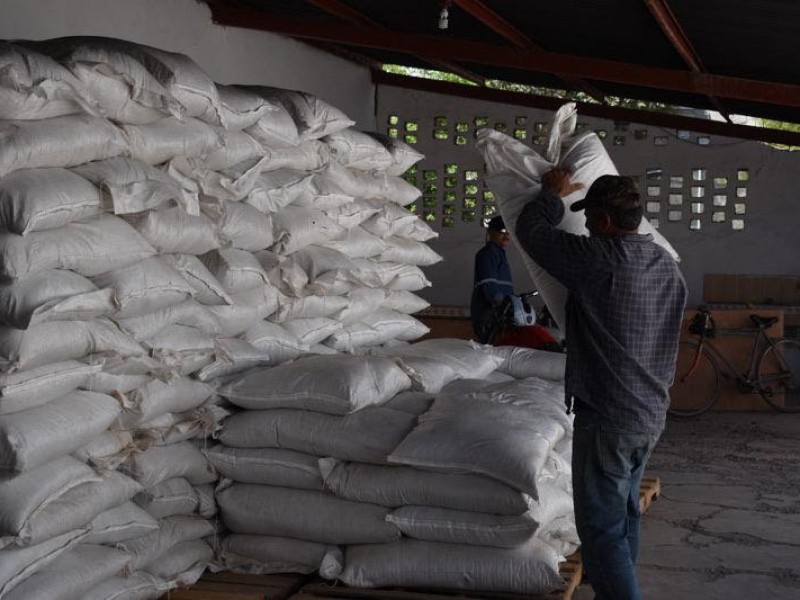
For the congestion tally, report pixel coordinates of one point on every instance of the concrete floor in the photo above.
(727, 523)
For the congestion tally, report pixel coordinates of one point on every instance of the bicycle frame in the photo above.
(748, 378)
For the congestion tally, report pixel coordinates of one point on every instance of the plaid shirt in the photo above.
(623, 315)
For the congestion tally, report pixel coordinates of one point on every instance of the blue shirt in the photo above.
(492, 283)
(623, 315)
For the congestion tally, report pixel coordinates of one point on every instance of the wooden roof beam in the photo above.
(783, 94)
(669, 24)
(349, 14)
(507, 30)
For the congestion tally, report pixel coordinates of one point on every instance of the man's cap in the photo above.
(611, 193)
(496, 224)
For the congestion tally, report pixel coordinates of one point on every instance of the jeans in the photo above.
(607, 469)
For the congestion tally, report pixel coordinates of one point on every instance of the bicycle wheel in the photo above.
(696, 385)
(779, 375)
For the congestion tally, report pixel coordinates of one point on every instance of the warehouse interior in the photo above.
(683, 96)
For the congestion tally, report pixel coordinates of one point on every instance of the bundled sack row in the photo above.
(161, 233)
(439, 463)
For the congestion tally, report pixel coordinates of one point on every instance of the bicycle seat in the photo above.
(765, 322)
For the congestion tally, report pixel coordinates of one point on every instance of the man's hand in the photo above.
(558, 182)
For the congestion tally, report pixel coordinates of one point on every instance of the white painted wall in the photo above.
(768, 245)
(228, 54)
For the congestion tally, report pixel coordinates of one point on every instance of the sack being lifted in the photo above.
(514, 172)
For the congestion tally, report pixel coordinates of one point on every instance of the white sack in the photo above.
(277, 342)
(181, 347)
(236, 147)
(174, 231)
(338, 179)
(312, 331)
(331, 384)
(239, 108)
(237, 270)
(264, 555)
(267, 466)
(138, 586)
(40, 434)
(410, 252)
(307, 156)
(159, 463)
(165, 139)
(108, 450)
(527, 362)
(308, 307)
(208, 289)
(25, 389)
(529, 569)
(405, 302)
(403, 155)
(183, 564)
(249, 307)
(170, 497)
(244, 227)
(89, 248)
(295, 228)
(276, 129)
(58, 142)
(357, 150)
(173, 530)
(39, 199)
(158, 398)
(233, 356)
(514, 175)
(190, 313)
(392, 220)
(303, 514)
(351, 214)
(366, 436)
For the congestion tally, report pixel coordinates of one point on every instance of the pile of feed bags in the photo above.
(159, 234)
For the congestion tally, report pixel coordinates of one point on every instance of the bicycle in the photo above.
(773, 370)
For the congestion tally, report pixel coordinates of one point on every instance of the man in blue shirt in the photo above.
(492, 282)
(623, 317)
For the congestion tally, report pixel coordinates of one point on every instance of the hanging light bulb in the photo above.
(444, 16)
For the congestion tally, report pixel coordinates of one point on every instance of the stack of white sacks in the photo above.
(159, 234)
(439, 464)
(169, 246)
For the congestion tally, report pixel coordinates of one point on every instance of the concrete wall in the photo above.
(228, 54)
(769, 244)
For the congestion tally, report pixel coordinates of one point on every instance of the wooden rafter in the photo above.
(349, 14)
(672, 29)
(518, 58)
(507, 30)
(645, 117)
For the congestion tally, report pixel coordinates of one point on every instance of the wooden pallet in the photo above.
(232, 586)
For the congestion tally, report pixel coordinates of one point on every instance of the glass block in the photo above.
(654, 222)
(429, 216)
(448, 222)
(654, 174)
(660, 140)
(488, 196)
(695, 225)
(683, 134)
(451, 168)
(720, 182)
(469, 203)
(471, 189)
(601, 133)
(449, 209)
(653, 190)
(739, 208)
(698, 191)
(520, 134)
(430, 175)
(676, 199)
(410, 178)
(675, 215)
(703, 140)
(676, 182)
(430, 188)
(742, 175)
(413, 208)
(640, 134)
(449, 196)
(521, 121)
(393, 120)
(461, 140)
(698, 208)
(429, 202)
(717, 216)
(441, 134)
(653, 207)
(410, 139)
(720, 200)
(412, 169)
(619, 140)
(440, 121)
(699, 174)
(392, 132)
(737, 224)
(540, 127)
(450, 182)
(412, 126)
(621, 125)
(540, 140)
(501, 127)
(581, 127)
(489, 210)
(481, 121)
(470, 175)
(741, 192)
(468, 216)
(462, 127)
